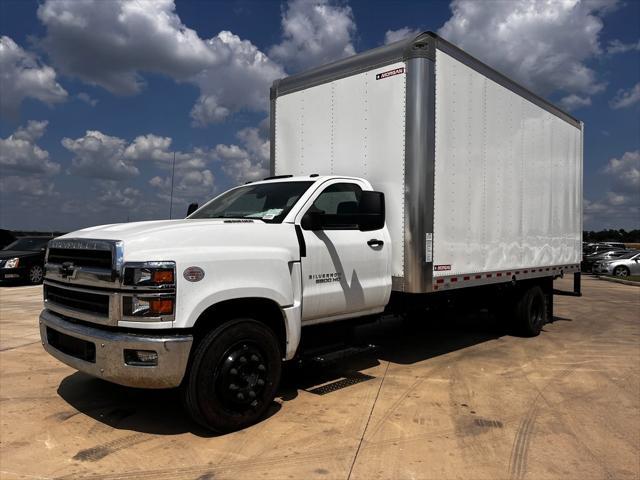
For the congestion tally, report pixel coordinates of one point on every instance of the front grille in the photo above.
(72, 346)
(81, 257)
(85, 301)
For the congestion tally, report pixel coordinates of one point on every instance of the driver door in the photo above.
(346, 272)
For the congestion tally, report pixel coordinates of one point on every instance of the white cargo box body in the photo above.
(482, 178)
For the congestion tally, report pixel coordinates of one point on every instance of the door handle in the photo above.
(375, 243)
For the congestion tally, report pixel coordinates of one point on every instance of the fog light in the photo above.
(141, 358)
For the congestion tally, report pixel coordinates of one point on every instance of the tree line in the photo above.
(621, 235)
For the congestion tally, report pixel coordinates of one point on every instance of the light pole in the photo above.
(173, 171)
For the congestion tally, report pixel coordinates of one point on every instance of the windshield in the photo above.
(269, 202)
(28, 243)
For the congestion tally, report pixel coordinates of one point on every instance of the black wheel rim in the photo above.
(243, 377)
(35, 274)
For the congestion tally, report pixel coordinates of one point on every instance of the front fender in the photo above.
(234, 294)
(274, 280)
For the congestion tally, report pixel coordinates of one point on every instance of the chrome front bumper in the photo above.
(172, 350)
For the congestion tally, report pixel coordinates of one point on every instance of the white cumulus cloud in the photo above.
(573, 101)
(24, 188)
(20, 154)
(616, 46)
(314, 32)
(123, 39)
(544, 45)
(621, 204)
(101, 156)
(248, 162)
(626, 171)
(239, 79)
(86, 98)
(119, 39)
(391, 36)
(23, 75)
(626, 98)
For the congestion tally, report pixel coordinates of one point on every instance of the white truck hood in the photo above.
(172, 239)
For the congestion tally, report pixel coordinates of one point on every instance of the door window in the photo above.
(340, 204)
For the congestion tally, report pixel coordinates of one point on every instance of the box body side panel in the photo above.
(352, 126)
(507, 178)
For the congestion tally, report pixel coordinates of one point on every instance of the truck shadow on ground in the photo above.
(394, 339)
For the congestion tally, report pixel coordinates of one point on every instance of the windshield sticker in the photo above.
(266, 214)
(442, 268)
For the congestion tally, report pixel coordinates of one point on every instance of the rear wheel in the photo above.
(233, 377)
(531, 312)
(621, 272)
(36, 273)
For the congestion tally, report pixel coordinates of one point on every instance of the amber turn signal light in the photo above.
(162, 276)
(161, 306)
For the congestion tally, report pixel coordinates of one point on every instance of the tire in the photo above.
(234, 375)
(621, 272)
(531, 312)
(36, 274)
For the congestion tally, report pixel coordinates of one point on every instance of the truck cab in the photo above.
(227, 290)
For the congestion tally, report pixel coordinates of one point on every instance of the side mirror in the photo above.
(372, 211)
(312, 221)
(192, 208)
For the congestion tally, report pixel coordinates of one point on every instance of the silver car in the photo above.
(622, 266)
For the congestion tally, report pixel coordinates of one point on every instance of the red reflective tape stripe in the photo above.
(440, 280)
(508, 273)
(466, 278)
(489, 275)
(454, 279)
(499, 275)
(478, 277)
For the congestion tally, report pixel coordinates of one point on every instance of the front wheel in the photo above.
(36, 273)
(621, 272)
(234, 376)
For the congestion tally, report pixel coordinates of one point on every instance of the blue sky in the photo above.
(97, 95)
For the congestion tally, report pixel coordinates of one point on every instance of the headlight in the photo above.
(148, 306)
(12, 263)
(150, 274)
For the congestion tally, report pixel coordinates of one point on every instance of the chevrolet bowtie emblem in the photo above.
(67, 270)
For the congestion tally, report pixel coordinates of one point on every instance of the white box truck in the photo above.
(403, 177)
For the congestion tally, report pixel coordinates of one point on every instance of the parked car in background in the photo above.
(23, 260)
(611, 253)
(615, 244)
(6, 237)
(601, 247)
(622, 266)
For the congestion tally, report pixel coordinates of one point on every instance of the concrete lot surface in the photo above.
(455, 399)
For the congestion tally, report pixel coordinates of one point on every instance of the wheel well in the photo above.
(260, 309)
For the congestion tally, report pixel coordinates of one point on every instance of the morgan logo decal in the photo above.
(442, 268)
(390, 73)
